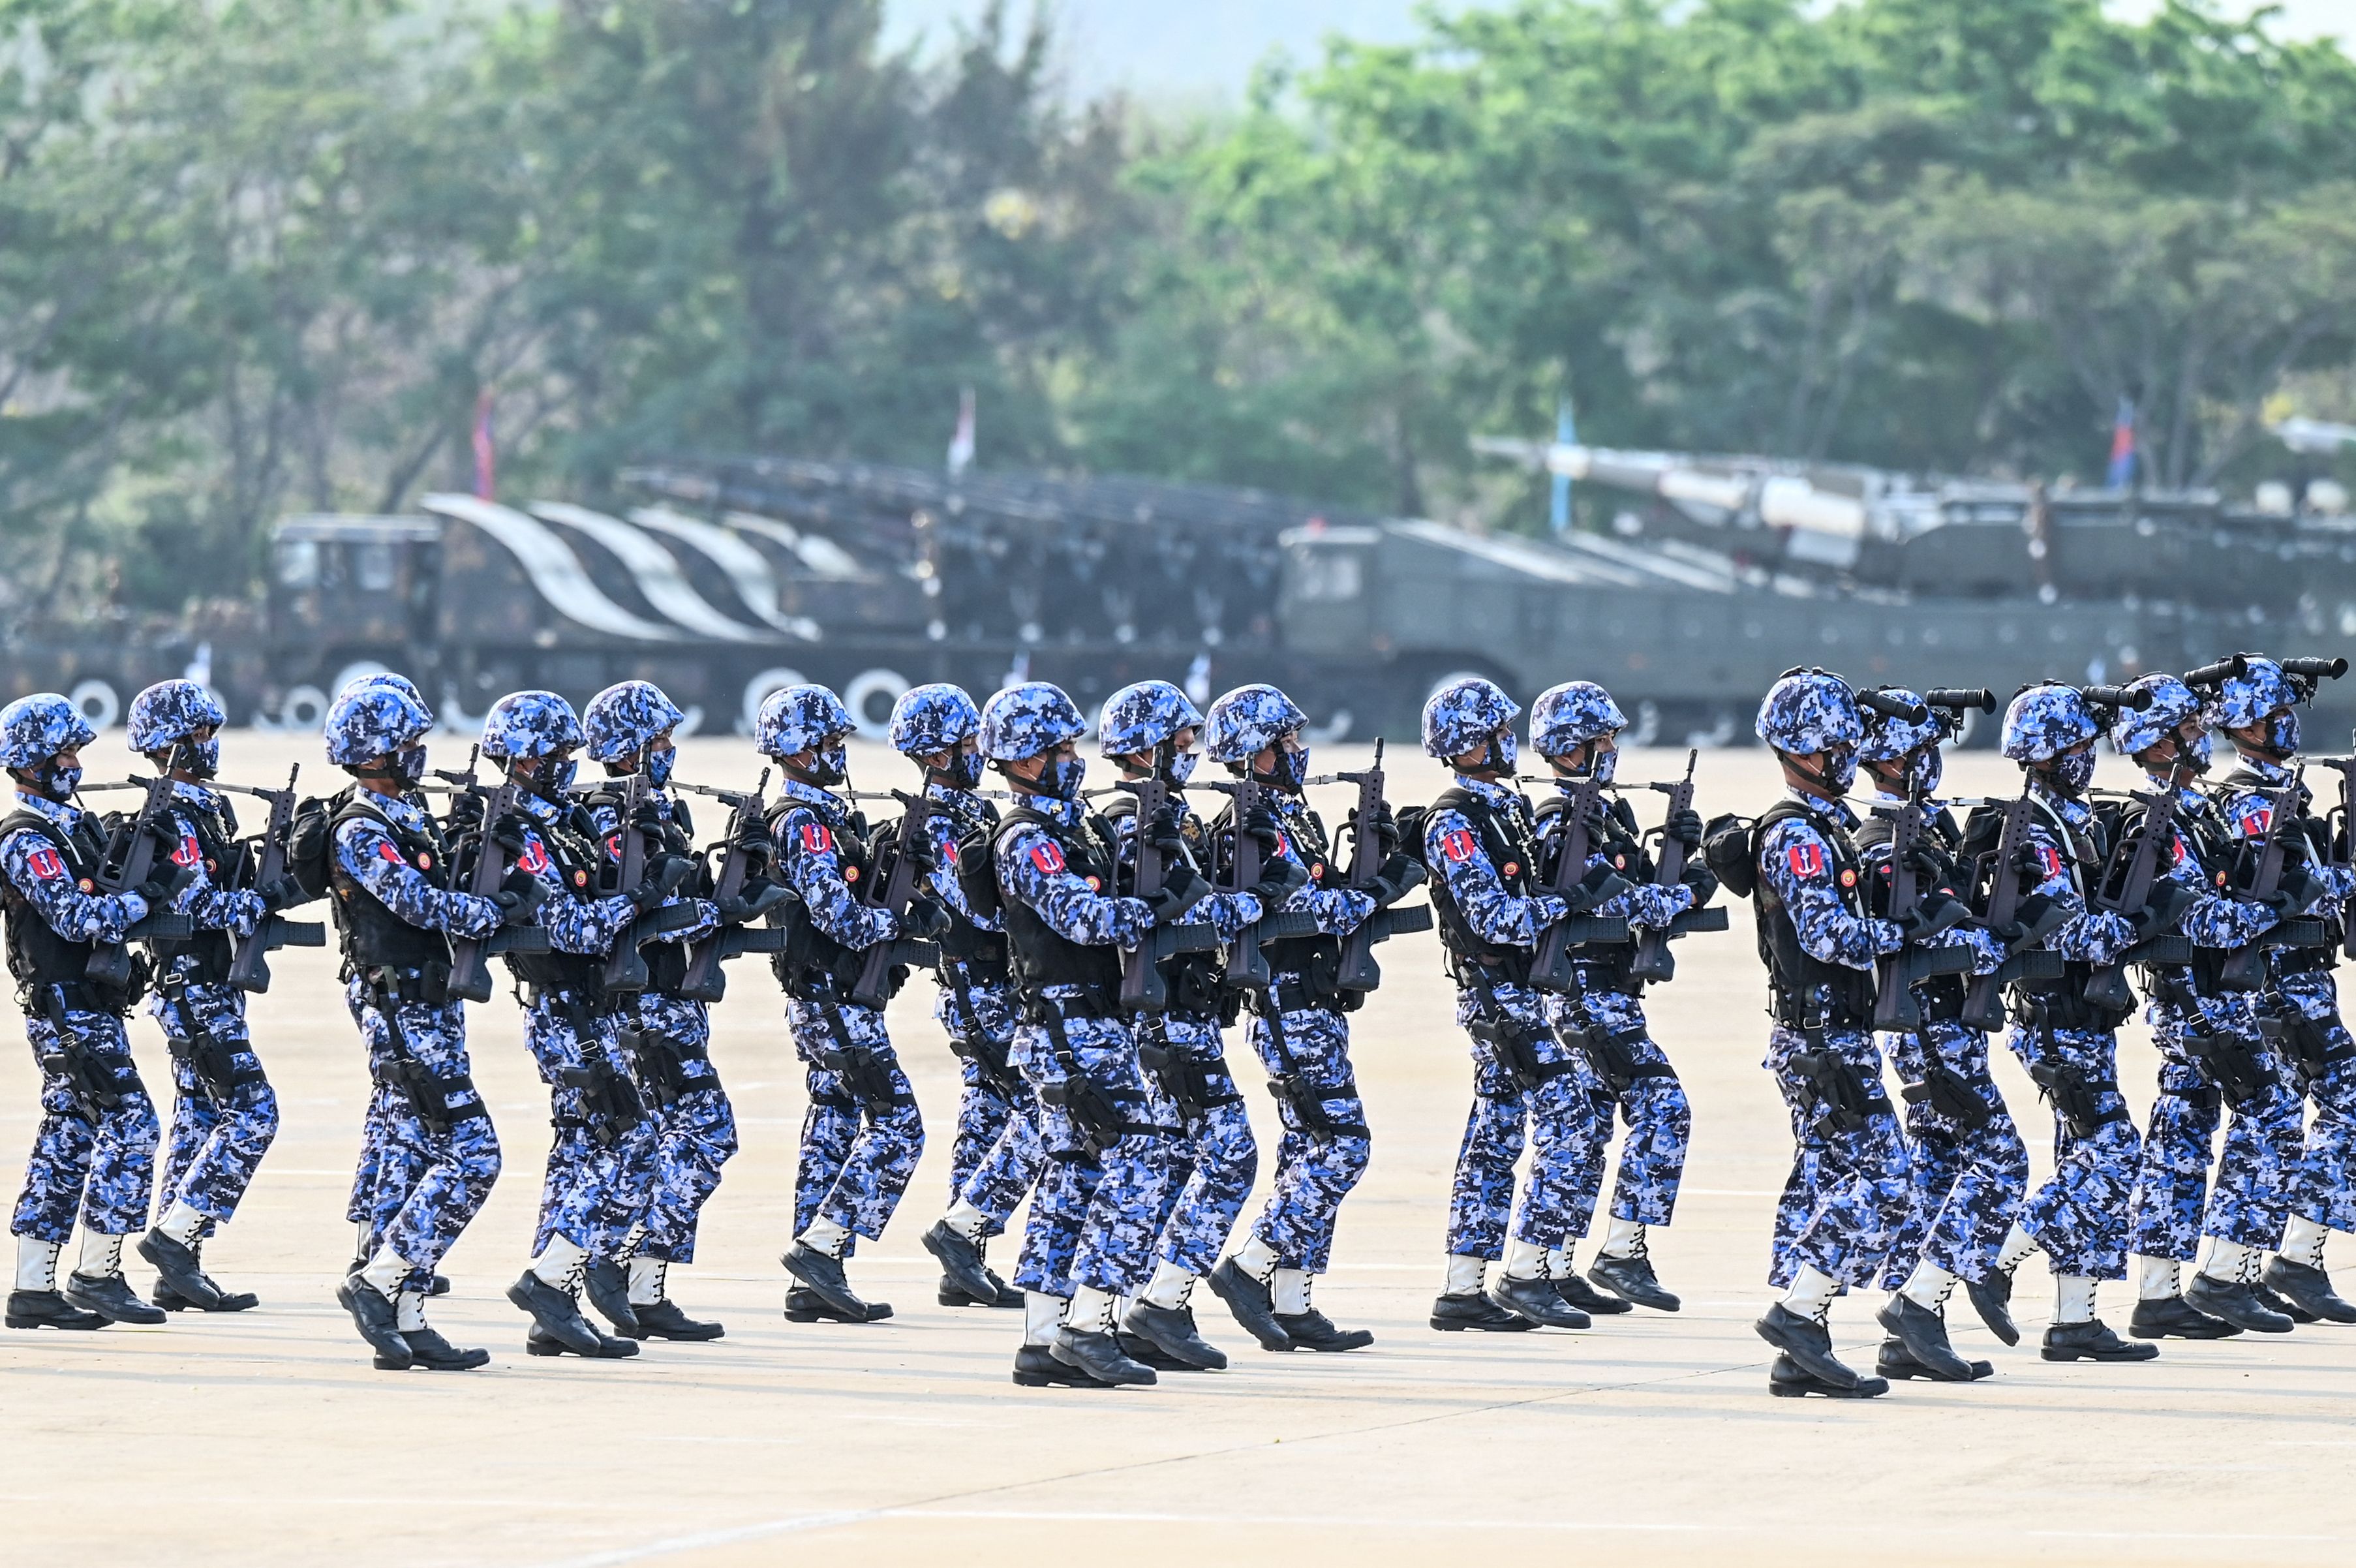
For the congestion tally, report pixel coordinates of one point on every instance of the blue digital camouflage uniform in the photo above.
(213, 1146)
(102, 1164)
(600, 1173)
(2167, 1214)
(1213, 1159)
(1660, 1118)
(996, 1158)
(430, 1183)
(1849, 1192)
(2318, 1170)
(694, 1132)
(1564, 1110)
(1316, 1168)
(1093, 1217)
(2079, 1217)
(856, 1156)
(1967, 1184)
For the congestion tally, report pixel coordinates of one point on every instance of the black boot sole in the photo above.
(1866, 1388)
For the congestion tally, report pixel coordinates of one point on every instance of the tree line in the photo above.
(262, 256)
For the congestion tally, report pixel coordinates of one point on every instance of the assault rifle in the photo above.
(2126, 888)
(894, 891)
(1551, 964)
(2336, 824)
(705, 981)
(129, 855)
(250, 970)
(625, 966)
(1983, 997)
(1144, 987)
(470, 971)
(1654, 961)
(1246, 965)
(2246, 968)
(1359, 973)
(1894, 1005)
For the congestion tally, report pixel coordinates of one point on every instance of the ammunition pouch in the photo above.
(439, 1103)
(427, 986)
(1950, 1094)
(2076, 1098)
(1513, 1050)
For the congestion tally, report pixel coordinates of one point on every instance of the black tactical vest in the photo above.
(1795, 976)
(1602, 966)
(1044, 956)
(574, 859)
(212, 951)
(373, 935)
(1511, 844)
(37, 956)
(814, 965)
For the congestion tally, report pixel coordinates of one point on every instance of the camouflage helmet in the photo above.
(1808, 711)
(933, 718)
(2045, 721)
(2249, 698)
(795, 719)
(1026, 720)
(401, 684)
(1888, 737)
(369, 722)
(1144, 716)
(33, 729)
(530, 724)
(2172, 703)
(625, 718)
(1247, 721)
(1462, 715)
(1567, 716)
(170, 712)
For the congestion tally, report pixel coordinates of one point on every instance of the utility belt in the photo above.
(662, 1063)
(1195, 1085)
(1612, 1054)
(1951, 1094)
(211, 1060)
(981, 968)
(1807, 1015)
(52, 1001)
(1847, 1099)
(97, 1084)
(427, 985)
(610, 1107)
(2063, 1005)
(1302, 992)
(2077, 1097)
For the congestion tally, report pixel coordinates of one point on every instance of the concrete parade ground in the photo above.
(267, 1437)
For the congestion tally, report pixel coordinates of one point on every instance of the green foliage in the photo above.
(263, 255)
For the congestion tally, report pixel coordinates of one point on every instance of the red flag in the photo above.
(487, 460)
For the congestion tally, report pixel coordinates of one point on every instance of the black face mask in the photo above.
(409, 766)
(50, 781)
(658, 766)
(830, 765)
(964, 771)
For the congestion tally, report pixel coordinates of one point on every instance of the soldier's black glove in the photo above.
(165, 883)
(918, 847)
(511, 833)
(282, 894)
(1401, 875)
(1600, 885)
(2168, 901)
(2297, 891)
(756, 899)
(1935, 914)
(1923, 860)
(1180, 891)
(162, 830)
(924, 917)
(520, 898)
(464, 811)
(1265, 831)
(2028, 860)
(1167, 830)
(648, 819)
(1386, 830)
(1683, 827)
(1280, 879)
(663, 875)
(1702, 880)
(752, 835)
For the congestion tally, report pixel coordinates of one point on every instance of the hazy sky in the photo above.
(1209, 46)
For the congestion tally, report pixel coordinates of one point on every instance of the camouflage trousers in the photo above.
(1653, 1103)
(215, 1143)
(435, 1163)
(1215, 1159)
(1967, 1184)
(995, 1157)
(97, 1159)
(600, 1170)
(2323, 1182)
(2080, 1215)
(1552, 1093)
(862, 1135)
(694, 1126)
(1849, 1187)
(2173, 1203)
(1323, 1150)
(1099, 1203)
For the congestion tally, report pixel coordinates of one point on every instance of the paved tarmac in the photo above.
(266, 1437)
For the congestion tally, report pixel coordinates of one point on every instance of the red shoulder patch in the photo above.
(1806, 859)
(613, 847)
(190, 852)
(46, 863)
(534, 857)
(386, 852)
(2175, 850)
(1458, 845)
(1047, 856)
(2049, 858)
(2256, 818)
(817, 838)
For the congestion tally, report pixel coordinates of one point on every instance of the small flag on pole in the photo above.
(961, 444)
(487, 457)
(2123, 447)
